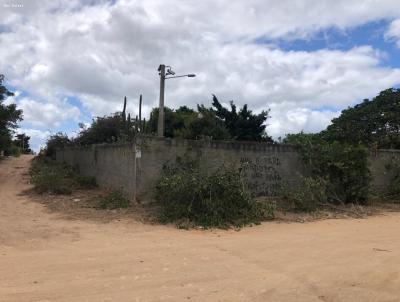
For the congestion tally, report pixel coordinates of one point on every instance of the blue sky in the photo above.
(70, 61)
(372, 33)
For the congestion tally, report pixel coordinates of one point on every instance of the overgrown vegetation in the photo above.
(336, 158)
(52, 177)
(190, 196)
(216, 122)
(58, 140)
(108, 129)
(114, 200)
(308, 196)
(10, 116)
(339, 171)
(374, 123)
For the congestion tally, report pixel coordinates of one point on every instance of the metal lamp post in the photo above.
(164, 75)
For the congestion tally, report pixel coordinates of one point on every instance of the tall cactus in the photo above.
(124, 111)
(140, 114)
(129, 121)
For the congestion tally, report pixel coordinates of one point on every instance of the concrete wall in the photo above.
(266, 167)
(378, 162)
(112, 164)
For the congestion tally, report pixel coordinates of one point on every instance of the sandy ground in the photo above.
(46, 257)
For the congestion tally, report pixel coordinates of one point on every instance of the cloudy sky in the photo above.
(71, 60)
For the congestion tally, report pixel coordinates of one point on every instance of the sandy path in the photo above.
(44, 257)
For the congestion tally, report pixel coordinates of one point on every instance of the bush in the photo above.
(58, 140)
(344, 167)
(186, 194)
(309, 195)
(49, 176)
(86, 182)
(14, 151)
(114, 200)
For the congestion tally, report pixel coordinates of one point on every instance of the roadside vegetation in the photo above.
(337, 157)
(49, 176)
(114, 200)
(190, 196)
(336, 160)
(11, 143)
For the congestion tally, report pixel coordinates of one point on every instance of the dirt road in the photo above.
(45, 257)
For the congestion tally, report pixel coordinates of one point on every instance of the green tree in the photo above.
(108, 129)
(243, 125)
(216, 122)
(176, 122)
(207, 124)
(373, 122)
(22, 141)
(9, 118)
(58, 140)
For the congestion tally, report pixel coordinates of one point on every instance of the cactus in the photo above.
(124, 111)
(129, 121)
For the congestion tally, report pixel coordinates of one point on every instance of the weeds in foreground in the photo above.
(114, 200)
(53, 177)
(189, 196)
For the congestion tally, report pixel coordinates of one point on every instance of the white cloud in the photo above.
(299, 119)
(47, 115)
(37, 137)
(101, 52)
(393, 32)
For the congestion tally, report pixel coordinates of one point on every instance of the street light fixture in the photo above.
(164, 75)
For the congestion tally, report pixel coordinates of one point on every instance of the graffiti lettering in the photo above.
(262, 176)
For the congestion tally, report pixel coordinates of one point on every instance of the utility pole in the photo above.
(164, 76)
(160, 126)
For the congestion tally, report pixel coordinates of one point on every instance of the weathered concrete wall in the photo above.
(266, 167)
(378, 165)
(112, 164)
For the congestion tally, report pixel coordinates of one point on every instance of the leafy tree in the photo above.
(216, 122)
(176, 122)
(58, 140)
(373, 122)
(9, 117)
(183, 119)
(305, 142)
(207, 125)
(188, 123)
(22, 141)
(108, 129)
(242, 124)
